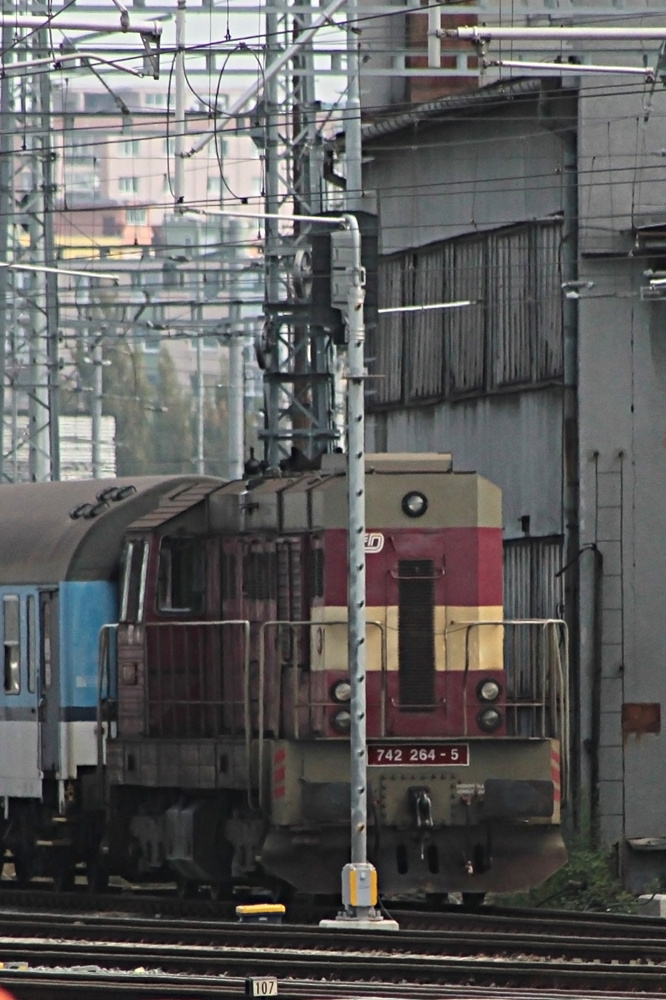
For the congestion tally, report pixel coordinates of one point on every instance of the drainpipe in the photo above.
(565, 125)
(570, 448)
(595, 694)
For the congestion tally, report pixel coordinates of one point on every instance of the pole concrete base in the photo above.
(346, 922)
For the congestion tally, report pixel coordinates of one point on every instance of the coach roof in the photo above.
(41, 543)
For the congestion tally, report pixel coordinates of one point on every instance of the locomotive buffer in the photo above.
(359, 877)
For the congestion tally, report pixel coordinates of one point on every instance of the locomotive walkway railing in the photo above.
(320, 626)
(535, 661)
(167, 656)
(180, 689)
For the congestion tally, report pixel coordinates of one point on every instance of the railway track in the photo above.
(490, 938)
(411, 916)
(149, 971)
(77, 984)
(133, 956)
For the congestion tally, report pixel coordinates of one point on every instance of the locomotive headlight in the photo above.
(488, 690)
(414, 504)
(489, 719)
(341, 691)
(341, 722)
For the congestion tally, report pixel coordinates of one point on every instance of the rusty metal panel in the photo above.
(641, 717)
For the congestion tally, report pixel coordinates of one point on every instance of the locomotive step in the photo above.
(53, 843)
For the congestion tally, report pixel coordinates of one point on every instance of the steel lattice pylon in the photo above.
(29, 335)
(299, 356)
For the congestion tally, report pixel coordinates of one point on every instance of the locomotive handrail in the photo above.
(551, 626)
(262, 660)
(103, 647)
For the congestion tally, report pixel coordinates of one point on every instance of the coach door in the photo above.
(49, 681)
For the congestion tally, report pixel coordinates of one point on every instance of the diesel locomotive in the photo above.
(176, 688)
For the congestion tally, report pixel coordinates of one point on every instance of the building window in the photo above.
(213, 185)
(130, 147)
(135, 216)
(150, 345)
(128, 185)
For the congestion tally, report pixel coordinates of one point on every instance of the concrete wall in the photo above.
(493, 169)
(623, 510)
(621, 166)
(514, 440)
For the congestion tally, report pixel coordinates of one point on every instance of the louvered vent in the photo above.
(416, 637)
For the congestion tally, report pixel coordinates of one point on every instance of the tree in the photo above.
(173, 440)
(127, 396)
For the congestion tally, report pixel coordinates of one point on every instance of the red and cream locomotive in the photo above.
(224, 691)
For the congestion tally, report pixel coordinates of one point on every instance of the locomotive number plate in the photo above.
(409, 754)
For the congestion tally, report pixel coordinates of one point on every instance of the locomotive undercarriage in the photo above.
(491, 857)
(218, 841)
(185, 835)
(432, 829)
(52, 836)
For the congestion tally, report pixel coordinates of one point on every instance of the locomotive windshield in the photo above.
(134, 581)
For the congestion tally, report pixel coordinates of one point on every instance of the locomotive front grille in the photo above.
(416, 634)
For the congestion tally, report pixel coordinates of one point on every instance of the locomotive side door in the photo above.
(49, 681)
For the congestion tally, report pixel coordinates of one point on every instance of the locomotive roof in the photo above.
(41, 543)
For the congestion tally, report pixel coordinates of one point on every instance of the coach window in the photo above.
(10, 617)
(134, 581)
(31, 639)
(47, 666)
(181, 575)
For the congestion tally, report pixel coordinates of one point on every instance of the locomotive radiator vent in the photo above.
(416, 634)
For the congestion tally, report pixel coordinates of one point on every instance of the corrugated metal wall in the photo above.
(511, 336)
(532, 588)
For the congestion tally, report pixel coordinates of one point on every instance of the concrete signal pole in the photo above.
(359, 877)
